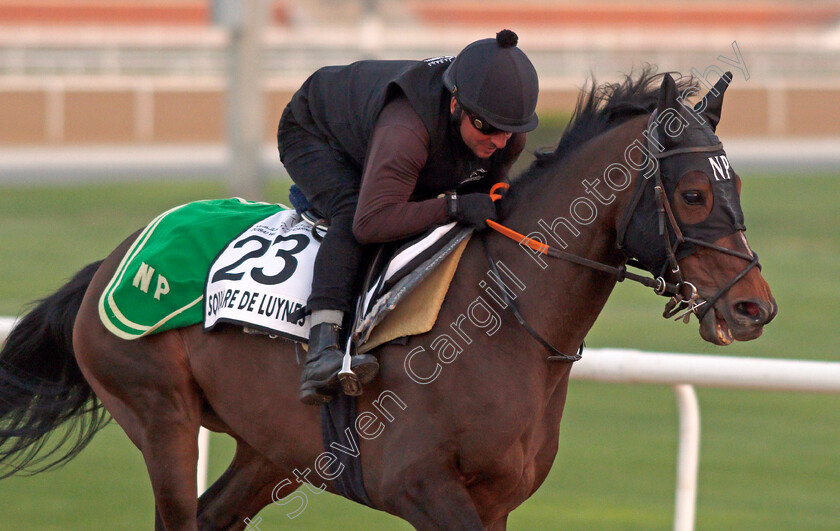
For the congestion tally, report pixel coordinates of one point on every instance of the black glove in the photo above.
(471, 209)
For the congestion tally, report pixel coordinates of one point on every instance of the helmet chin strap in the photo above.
(457, 112)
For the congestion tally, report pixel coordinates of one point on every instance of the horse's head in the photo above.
(687, 224)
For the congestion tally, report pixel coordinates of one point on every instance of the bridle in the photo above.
(685, 298)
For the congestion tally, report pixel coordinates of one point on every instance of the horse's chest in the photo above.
(501, 483)
(512, 461)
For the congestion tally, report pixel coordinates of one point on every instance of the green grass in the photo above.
(768, 460)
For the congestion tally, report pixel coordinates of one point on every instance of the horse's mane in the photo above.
(600, 108)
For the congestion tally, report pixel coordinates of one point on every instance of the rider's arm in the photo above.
(398, 150)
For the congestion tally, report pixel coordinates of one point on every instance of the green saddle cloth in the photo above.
(160, 282)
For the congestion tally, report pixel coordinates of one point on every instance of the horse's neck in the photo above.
(561, 300)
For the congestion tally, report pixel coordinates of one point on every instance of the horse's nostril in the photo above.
(748, 309)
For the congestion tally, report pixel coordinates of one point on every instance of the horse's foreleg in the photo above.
(498, 525)
(241, 492)
(435, 499)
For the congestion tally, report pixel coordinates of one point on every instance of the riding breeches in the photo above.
(331, 183)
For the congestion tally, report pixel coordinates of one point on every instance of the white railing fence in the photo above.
(683, 372)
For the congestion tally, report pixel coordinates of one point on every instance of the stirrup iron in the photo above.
(349, 380)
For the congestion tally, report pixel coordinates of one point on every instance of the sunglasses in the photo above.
(481, 125)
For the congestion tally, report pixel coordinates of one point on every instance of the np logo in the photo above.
(720, 167)
(144, 277)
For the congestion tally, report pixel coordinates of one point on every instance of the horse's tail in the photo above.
(42, 388)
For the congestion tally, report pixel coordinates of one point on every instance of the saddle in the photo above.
(250, 264)
(405, 282)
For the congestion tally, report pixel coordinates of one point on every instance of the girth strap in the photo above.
(338, 423)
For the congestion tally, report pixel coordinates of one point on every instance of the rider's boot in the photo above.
(319, 379)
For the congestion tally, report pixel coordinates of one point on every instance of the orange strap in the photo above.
(510, 233)
(498, 186)
(519, 238)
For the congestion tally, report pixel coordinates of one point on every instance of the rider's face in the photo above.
(479, 143)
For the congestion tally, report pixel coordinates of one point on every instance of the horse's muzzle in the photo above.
(740, 320)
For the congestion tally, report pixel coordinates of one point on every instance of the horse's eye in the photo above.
(693, 197)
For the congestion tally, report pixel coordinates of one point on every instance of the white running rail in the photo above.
(6, 324)
(683, 372)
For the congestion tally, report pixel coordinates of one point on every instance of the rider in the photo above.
(375, 145)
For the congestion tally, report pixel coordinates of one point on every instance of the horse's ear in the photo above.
(669, 119)
(712, 102)
(667, 94)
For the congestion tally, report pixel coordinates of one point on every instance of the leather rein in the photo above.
(685, 298)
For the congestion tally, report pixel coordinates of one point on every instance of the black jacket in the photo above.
(341, 104)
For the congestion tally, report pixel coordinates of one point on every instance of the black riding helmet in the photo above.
(495, 80)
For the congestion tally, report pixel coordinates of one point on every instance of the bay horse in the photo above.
(462, 424)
